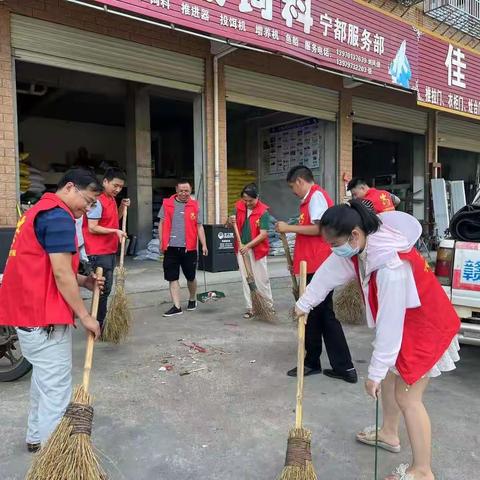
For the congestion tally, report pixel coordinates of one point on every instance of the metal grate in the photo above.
(409, 3)
(463, 15)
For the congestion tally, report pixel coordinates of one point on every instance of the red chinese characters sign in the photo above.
(338, 34)
(449, 77)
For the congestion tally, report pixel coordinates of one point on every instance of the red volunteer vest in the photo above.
(381, 199)
(261, 250)
(191, 223)
(314, 250)
(103, 244)
(429, 329)
(29, 296)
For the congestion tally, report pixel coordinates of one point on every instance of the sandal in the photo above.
(401, 473)
(248, 315)
(367, 436)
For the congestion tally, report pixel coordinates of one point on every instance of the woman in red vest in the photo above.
(252, 218)
(416, 325)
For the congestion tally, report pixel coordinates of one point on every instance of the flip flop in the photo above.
(367, 437)
(248, 315)
(401, 473)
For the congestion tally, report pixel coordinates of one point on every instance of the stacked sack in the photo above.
(237, 179)
(37, 181)
(24, 173)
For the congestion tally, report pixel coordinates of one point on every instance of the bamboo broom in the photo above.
(298, 461)
(68, 454)
(260, 305)
(119, 318)
(349, 305)
(288, 255)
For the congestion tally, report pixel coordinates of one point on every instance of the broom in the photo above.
(119, 318)
(260, 305)
(68, 454)
(349, 305)
(298, 461)
(286, 247)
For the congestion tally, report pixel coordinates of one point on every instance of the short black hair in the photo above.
(300, 171)
(356, 182)
(82, 178)
(340, 220)
(181, 181)
(251, 190)
(114, 172)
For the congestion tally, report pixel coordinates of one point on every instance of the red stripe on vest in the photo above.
(262, 249)
(96, 244)
(429, 329)
(29, 296)
(191, 223)
(313, 249)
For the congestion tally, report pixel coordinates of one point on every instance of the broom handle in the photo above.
(124, 230)
(87, 367)
(246, 260)
(301, 351)
(286, 247)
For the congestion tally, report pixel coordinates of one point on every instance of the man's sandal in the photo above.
(401, 473)
(367, 436)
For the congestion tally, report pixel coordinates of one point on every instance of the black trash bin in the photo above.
(221, 254)
(6, 237)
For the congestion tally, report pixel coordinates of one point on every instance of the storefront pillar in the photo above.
(345, 142)
(139, 168)
(432, 167)
(8, 151)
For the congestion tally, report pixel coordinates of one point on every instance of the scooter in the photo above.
(13, 365)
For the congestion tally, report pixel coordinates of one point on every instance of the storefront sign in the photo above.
(449, 77)
(337, 34)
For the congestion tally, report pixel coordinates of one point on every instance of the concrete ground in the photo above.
(230, 419)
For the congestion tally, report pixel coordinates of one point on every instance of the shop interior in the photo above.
(68, 118)
(262, 145)
(461, 165)
(385, 159)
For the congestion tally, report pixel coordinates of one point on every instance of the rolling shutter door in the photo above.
(457, 133)
(276, 93)
(56, 45)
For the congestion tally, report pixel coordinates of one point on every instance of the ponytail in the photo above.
(340, 220)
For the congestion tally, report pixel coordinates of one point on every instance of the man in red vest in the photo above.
(179, 230)
(101, 232)
(39, 296)
(382, 200)
(311, 247)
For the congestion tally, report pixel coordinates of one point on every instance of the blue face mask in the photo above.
(345, 250)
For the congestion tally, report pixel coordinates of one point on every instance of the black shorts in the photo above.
(174, 258)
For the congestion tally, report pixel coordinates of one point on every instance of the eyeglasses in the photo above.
(88, 201)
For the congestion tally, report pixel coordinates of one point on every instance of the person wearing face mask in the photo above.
(40, 296)
(252, 219)
(311, 247)
(415, 324)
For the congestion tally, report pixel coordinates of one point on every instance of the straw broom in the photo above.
(119, 318)
(349, 305)
(298, 461)
(260, 305)
(68, 454)
(288, 255)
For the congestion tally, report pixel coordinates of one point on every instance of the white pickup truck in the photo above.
(458, 270)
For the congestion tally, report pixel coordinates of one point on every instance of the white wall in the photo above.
(53, 141)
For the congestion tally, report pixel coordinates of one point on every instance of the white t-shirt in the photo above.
(317, 207)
